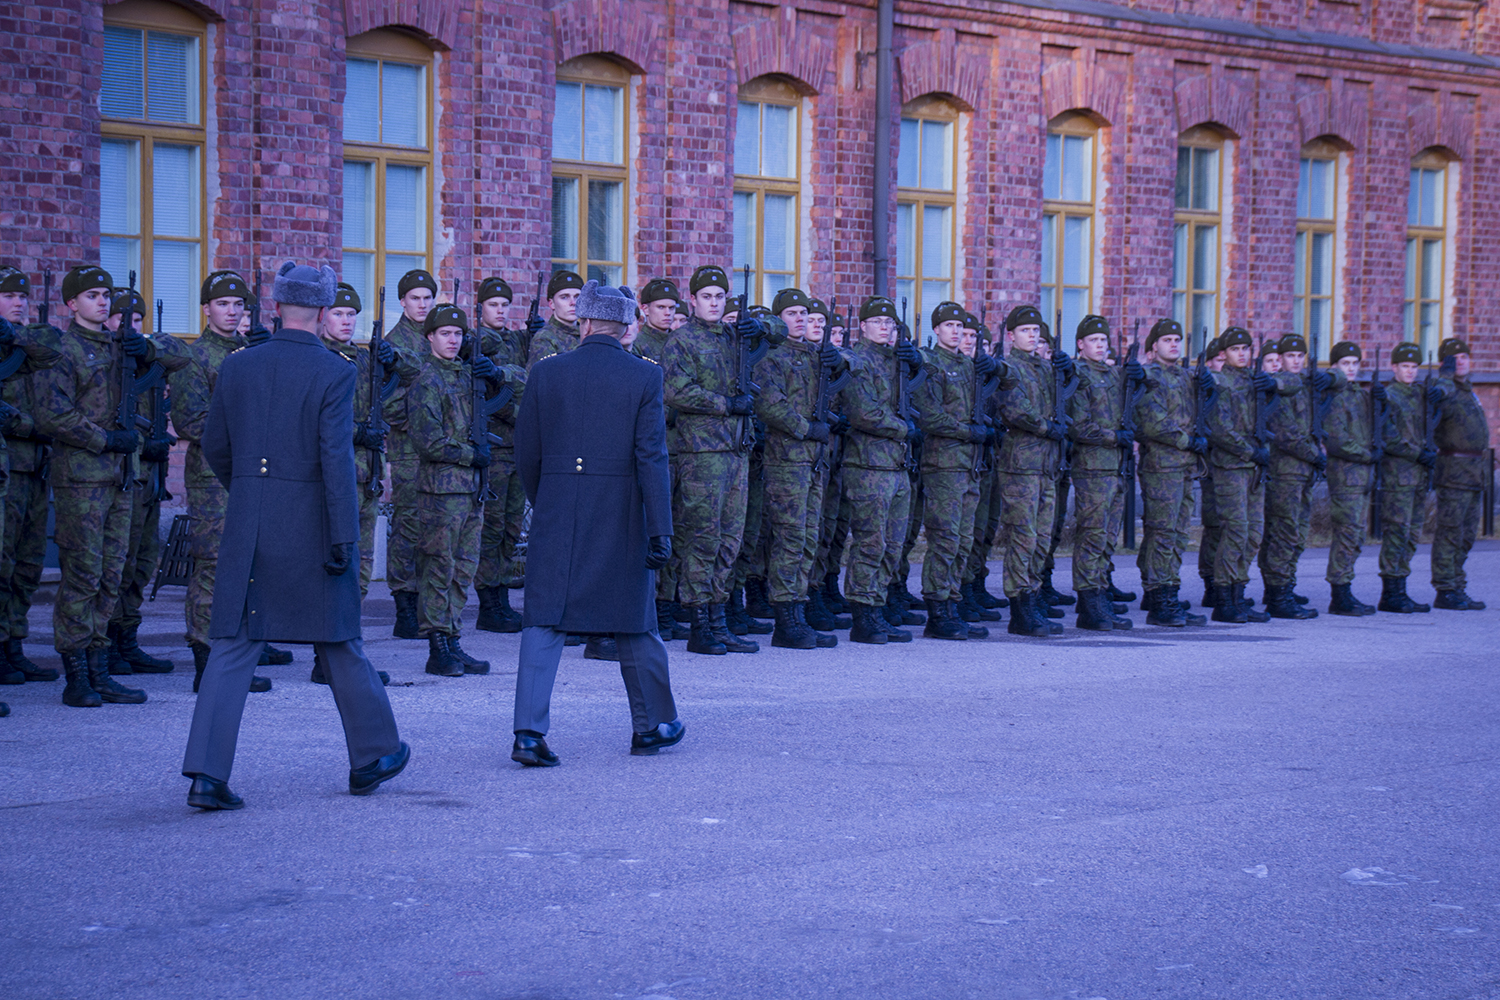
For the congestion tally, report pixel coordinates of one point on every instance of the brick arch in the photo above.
(615, 28)
(1440, 120)
(774, 46)
(208, 10)
(437, 19)
(1205, 95)
(1077, 82)
(943, 68)
(1332, 109)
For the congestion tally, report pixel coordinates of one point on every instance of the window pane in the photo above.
(906, 289)
(1431, 321)
(174, 280)
(1299, 324)
(937, 241)
(906, 238)
(1049, 305)
(937, 152)
(773, 283)
(907, 157)
(1299, 268)
(1206, 258)
(1184, 176)
(174, 209)
(779, 251)
(1320, 317)
(121, 75)
(119, 187)
(565, 218)
(1432, 198)
(1049, 251)
(1180, 255)
(1203, 312)
(362, 101)
(1052, 168)
(1179, 307)
(778, 154)
(401, 105)
(567, 122)
(1411, 269)
(1320, 179)
(1408, 312)
(405, 208)
(934, 292)
(396, 265)
(605, 274)
(1078, 166)
(1414, 198)
(1320, 274)
(1206, 179)
(359, 271)
(744, 229)
(1075, 303)
(606, 220)
(1432, 269)
(1303, 184)
(359, 207)
(1077, 249)
(747, 139)
(172, 78)
(119, 257)
(603, 124)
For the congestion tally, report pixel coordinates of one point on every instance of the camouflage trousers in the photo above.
(914, 520)
(1288, 519)
(500, 538)
(1027, 502)
(206, 506)
(793, 514)
(751, 560)
(833, 526)
(666, 577)
(708, 515)
(1349, 509)
(447, 557)
(879, 505)
(92, 533)
(986, 524)
(951, 499)
(369, 512)
(1457, 527)
(1167, 510)
(1242, 519)
(141, 556)
(1213, 531)
(1095, 501)
(401, 543)
(1059, 518)
(25, 547)
(1402, 513)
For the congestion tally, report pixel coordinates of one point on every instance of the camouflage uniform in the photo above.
(875, 478)
(555, 337)
(1095, 412)
(793, 488)
(1461, 436)
(752, 558)
(500, 562)
(1289, 483)
(1027, 463)
(945, 402)
(402, 535)
(1164, 427)
(1403, 499)
(1239, 494)
(192, 387)
(708, 507)
(504, 346)
(25, 514)
(1351, 474)
(650, 343)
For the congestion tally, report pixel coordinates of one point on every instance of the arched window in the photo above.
(152, 102)
(1068, 193)
(1197, 230)
(1314, 283)
(926, 203)
(387, 165)
(589, 152)
(767, 170)
(1426, 249)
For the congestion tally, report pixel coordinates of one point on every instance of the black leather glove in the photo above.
(136, 346)
(1056, 430)
(1124, 438)
(1320, 462)
(483, 367)
(1376, 454)
(914, 436)
(1377, 390)
(258, 335)
(121, 441)
(1427, 457)
(481, 459)
(1322, 379)
(366, 436)
(831, 358)
(1135, 371)
(817, 430)
(907, 352)
(156, 450)
(1437, 393)
(978, 433)
(1203, 381)
(984, 365)
(1264, 381)
(340, 558)
(742, 405)
(386, 355)
(1261, 455)
(658, 551)
(1062, 362)
(8, 417)
(991, 435)
(840, 424)
(748, 326)
(534, 324)
(7, 333)
(1199, 445)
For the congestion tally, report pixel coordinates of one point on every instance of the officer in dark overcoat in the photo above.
(591, 452)
(279, 436)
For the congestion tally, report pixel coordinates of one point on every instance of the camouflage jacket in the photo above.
(1348, 432)
(173, 355)
(77, 403)
(553, 338)
(1164, 418)
(192, 388)
(1096, 410)
(406, 373)
(1461, 437)
(40, 345)
(1405, 436)
(788, 377)
(1231, 423)
(411, 345)
(1025, 410)
(1293, 449)
(877, 434)
(438, 412)
(504, 347)
(945, 409)
(650, 343)
(503, 420)
(699, 377)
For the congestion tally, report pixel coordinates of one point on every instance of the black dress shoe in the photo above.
(532, 751)
(364, 780)
(273, 657)
(259, 685)
(211, 793)
(665, 735)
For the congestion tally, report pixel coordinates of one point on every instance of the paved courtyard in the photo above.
(1293, 810)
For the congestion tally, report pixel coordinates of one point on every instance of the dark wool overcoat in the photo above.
(280, 437)
(591, 449)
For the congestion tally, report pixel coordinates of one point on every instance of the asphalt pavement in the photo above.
(1294, 810)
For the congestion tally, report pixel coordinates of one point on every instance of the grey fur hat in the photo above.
(303, 285)
(606, 303)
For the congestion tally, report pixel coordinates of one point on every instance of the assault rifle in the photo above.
(827, 386)
(748, 353)
(903, 391)
(155, 425)
(481, 408)
(1377, 440)
(1262, 414)
(534, 313)
(1315, 412)
(1431, 412)
(1129, 397)
(1203, 400)
(982, 389)
(44, 311)
(379, 390)
(1062, 391)
(130, 386)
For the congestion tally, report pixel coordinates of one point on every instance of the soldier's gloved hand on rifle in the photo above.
(1261, 455)
(8, 417)
(1427, 457)
(748, 326)
(386, 355)
(1377, 390)
(1322, 379)
(1124, 438)
(979, 433)
(1061, 362)
(832, 359)
(1199, 445)
(742, 405)
(481, 459)
(7, 333)
(485, 369)
(658, 551)
(1376, 454)
(1265, 382)
(984, 365)
(840, 424)
(123, 442)
(1203, 381)
(157, 449)
(907, 352)
(366, 436)
(534, 325)
(1320, 462)
(991, 434)
(817, 430)
(1056, 430)
(136, 346)
(258, 335)
(914, 434)
(1436, 393)
(1135, 371)
(340, 558)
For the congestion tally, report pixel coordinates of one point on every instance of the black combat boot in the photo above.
(974, 631)
(1229, 608)
(440, 659)
(1188, 617)
(968, 597)
(273, 657)
(472, 665)
(982, 595)
(78, 693)
(10, 675)
(1163, 611)
(1299, 598)
(1148, 598)
(1117, 595)
(701, 635)
(15, 655)
(682, 613)
(407, 624)
(897, 597)
(869, 626)
(731, 642)
(908, 599)
(601, 647)
(1345, 603)
(940, 626)
(1281, 604)
(739, 620)
(495, 613)
(573, 639)
(1457, 600)
(1248, 606)
(105, 686)
(1393, 597)
(1050, 595)
(832, 599)
(817, 613)
(1093, 615)
(667, 626)
(1117, 612)
(118, 665)
(1024, 619)
(824, 640)
(1210, 594)
(318, 674)
(894, 632)
(142, 661)
(791, 633)
(757, 598)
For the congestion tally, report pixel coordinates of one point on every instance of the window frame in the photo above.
(1307, 229)
(771, 90)
(597, 70)
(1198, 138)
(938, 110)
(149, 16)
(1071, 123)
(1415, 271)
